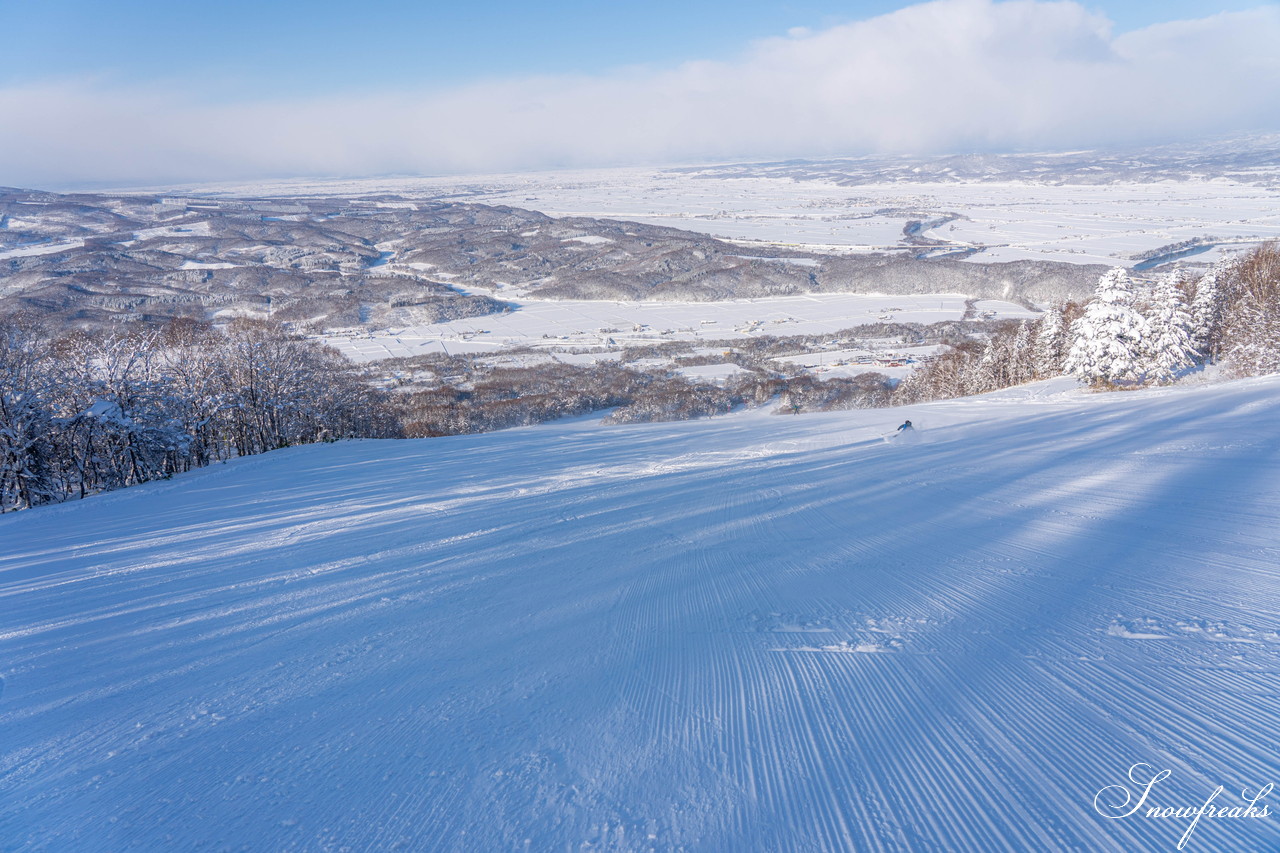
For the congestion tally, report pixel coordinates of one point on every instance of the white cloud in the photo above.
(944, 76)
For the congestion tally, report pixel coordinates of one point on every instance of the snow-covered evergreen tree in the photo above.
(1206, 310)
(1022, 355)
(1208, 307)
(1108, 341)
(1050, 343)
(988, 372)
(1169, 347)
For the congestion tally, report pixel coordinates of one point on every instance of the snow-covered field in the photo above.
(1105, 223)
(1014, 220)
(746, 633)
(835, 363)
(612, 325)
(39, 249)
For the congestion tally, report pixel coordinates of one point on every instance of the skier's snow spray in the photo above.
(905, 434)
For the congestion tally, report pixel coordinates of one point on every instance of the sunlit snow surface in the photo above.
(1106, 223)
(612, 325)
(746, 633)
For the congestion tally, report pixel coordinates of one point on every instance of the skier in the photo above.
(907, 427)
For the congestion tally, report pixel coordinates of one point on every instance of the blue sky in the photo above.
(226, 48)
(149, 93)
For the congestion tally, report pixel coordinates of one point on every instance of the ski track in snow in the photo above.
(736, 634)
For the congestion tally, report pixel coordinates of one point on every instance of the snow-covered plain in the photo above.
(39, 249)
(1104, 223)
(830, 364)
(744, 633)
(613, 325)
(1011, 220)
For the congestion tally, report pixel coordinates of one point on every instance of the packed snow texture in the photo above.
(742, 633)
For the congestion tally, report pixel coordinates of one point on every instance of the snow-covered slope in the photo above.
(749, 633)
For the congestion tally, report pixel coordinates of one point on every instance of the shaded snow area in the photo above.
(747, 633)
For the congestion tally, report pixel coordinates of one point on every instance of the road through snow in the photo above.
(748, 633)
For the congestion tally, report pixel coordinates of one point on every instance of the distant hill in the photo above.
(90, 259)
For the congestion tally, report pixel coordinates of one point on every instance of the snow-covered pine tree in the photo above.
(1209, 307)
(1050, 343)
(1169, 347)
(1022, 354)
(1108, 340)
(1206, 313)
(988, 372)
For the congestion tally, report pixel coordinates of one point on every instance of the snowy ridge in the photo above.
(751, 632)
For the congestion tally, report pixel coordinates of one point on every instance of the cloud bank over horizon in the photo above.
(946, 76)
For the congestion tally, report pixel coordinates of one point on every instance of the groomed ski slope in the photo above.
(748, 633)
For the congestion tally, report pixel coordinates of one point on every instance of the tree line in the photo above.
(1128, 335)
(89, 412)
(522, 396)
